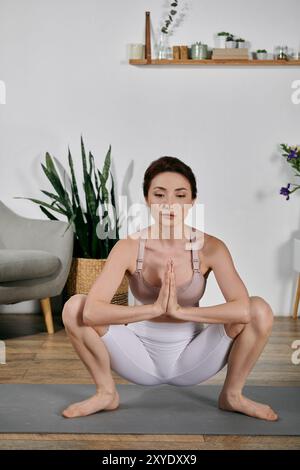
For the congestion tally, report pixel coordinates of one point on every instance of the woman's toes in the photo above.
(272, 415)
(67, 413)
(246, 406)
(92, 405)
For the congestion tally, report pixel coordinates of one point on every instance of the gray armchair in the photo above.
(35, 259)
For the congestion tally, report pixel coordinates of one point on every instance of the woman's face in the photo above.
(169, 198)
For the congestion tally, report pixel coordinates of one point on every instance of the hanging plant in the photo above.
(172, 13)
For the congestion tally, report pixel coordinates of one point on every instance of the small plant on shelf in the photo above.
(261, 54)
(240, 42)
(230, 41)
(221, 39)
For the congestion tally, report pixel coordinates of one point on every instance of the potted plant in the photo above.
(95, 230)
(261, 54)
(221, 39)
(241, 43)
(230, 41)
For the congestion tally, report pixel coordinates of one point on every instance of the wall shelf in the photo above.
(253, 62)
(210, 62)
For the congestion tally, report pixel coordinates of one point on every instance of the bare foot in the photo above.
(99, 401)
(245, 405)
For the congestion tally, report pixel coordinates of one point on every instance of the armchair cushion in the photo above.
(17, 265)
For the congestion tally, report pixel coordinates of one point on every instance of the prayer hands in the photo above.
(166, 302)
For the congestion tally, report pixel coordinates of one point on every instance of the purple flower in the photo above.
(285, 191)
(292, 154)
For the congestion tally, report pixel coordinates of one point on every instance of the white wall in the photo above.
(65, 69)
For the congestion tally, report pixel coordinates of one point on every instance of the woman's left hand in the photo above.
(173, 306)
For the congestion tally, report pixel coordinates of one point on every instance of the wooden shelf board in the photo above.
(251, 62)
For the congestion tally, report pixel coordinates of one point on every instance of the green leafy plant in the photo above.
(93, 219)
(240, 40)
(261, 50)
(292, 156)
(223, 33)
(230, 38)
(172, 12)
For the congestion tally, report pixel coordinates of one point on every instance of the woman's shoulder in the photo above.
(210, 248)
(136, 235)
(131, 242)
(127, 243)
(208, 243)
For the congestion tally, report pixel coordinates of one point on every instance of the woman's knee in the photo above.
(72, 311)
(234, 329)
(261, 314)
(101, 330)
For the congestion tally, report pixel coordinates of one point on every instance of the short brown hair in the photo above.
(169, 164)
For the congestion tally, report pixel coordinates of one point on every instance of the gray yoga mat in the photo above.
(159, 409)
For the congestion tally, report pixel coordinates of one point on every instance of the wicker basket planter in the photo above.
(82, 275)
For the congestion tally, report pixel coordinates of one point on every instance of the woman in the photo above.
(163, 339)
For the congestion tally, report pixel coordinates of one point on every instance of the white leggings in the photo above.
(152, 353)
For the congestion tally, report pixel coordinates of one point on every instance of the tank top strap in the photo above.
(195, 254)
(140, 258)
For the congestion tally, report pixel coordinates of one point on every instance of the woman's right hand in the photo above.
(161, 303)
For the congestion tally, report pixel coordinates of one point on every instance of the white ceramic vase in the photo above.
(221, 41)
(230, 44)
(262, 55)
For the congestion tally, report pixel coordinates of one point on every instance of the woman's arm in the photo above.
(237, 306)
(98, 310)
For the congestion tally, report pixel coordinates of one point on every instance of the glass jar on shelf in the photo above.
(164, 51)
(281, 53)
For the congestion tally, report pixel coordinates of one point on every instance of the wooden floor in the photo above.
(35, 357)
